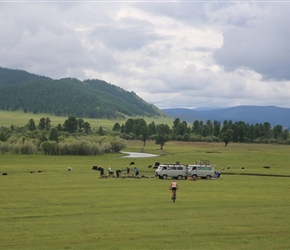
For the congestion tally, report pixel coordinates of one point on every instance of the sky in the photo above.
(172, 54)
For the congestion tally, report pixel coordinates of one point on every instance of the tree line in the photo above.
(76, 136)
(209, 131)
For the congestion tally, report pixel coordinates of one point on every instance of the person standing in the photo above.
(118, 172)
(136, 171)
(111, 171)
(173, 187)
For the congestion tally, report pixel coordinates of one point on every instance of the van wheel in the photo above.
(208, 177)
(179, 177)
(164, 177)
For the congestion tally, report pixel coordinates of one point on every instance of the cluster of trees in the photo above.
(203, 131)
(76, 137)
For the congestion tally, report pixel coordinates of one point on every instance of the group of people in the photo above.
(173, 186)
(111, 172)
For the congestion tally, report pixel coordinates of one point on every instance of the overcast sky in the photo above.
(183, 54)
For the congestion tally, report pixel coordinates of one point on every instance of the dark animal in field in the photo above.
(149, 166)
(4, 174)
(228, 167)
(39, 171)
(266, 167)
(69, 169)
(132, 163)
(95, 168)
(156, 165)
(32, 172)
(242, 168)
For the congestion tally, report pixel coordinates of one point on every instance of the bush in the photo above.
(24, 148)
(117, 144)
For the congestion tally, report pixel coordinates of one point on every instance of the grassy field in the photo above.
(57, 209)
(18, 118)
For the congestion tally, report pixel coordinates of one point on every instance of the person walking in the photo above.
(173, 187)
(136, 171)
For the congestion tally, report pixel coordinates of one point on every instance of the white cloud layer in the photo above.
(170, 53)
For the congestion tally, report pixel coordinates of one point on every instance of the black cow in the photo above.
(95, 168)
(266, 167)
(156, 165)
(132, 163)
(4, 174)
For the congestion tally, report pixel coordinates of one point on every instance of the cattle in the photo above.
(156, 165)
(69, 169)
(149, 166)
(4, 174)
(242, 168)
(95, 168)
(32, 172)
(39, 171)
(266, 167)
(132, 163)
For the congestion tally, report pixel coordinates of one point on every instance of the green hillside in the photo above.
(20, 90)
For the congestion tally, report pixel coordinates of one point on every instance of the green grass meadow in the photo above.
(19, 118)
(57, 209)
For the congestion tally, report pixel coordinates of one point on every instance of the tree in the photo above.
(101, 131)
(80, 124)
(44, 123)
(152, 128)
(53, 135)
(216, 128)
(71, 124)
(117, 127)
(227, 136)
(41, 124)
(3, 137)
(87, 127)
(144, 132)
(47, 124)
(162, 137)
(31, 125)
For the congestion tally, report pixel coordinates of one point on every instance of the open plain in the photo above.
(52, 208)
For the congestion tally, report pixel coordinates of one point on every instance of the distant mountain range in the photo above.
(248, 114)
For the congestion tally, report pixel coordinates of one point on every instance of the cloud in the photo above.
(259, 41)
(171, 54)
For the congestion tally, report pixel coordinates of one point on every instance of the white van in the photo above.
(171, 170)
(204, 171)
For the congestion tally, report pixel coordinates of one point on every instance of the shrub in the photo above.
(24, 148)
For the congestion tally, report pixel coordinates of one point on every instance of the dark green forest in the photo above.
(20, 90)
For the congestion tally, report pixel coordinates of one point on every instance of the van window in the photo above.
(164, 168)
(180, 168)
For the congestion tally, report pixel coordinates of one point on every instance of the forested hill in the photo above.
(69, 97)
